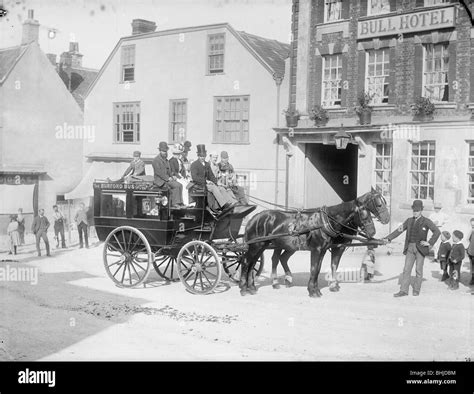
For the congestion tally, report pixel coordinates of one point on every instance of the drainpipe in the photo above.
(278, 80)
(289, 152)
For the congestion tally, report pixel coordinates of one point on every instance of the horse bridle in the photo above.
(372, 205)
(360, 210)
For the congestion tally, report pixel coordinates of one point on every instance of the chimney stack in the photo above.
(72, 58)
(142, 26)
(30, 29)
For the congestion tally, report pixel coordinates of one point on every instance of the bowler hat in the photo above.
(163, 146)
(224, 155)
(201, 150)
(187, 146)
(458, 234)
(417, 205)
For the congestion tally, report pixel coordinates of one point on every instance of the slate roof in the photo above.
(8, 59)
(273, 52)
(81, 79)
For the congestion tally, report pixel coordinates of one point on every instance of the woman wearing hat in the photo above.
(178, 170)
(163, 177)
(229, 180)
(203, 178)
(13, 234)
(416, 247)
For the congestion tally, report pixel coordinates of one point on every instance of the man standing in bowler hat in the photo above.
(163, 176)
(416, 247)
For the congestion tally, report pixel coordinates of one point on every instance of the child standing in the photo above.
(455, 259)
(470, 252)
(367, 268)
(13, 234)
(443, 254)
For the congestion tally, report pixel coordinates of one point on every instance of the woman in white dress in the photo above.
(178, 170)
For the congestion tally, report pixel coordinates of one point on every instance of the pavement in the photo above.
(66, 308)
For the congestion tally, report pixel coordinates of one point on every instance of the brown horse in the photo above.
(316, 230)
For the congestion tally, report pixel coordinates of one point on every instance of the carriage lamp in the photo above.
(342, 139)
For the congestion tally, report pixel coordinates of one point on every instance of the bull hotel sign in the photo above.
(401, 24)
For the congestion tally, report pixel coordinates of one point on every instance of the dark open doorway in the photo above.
(337, 166)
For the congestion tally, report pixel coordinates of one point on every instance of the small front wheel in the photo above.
(199, 267)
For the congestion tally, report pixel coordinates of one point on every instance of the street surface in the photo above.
(75, 312)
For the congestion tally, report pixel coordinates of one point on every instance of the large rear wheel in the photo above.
(127, 257)
(166, 266)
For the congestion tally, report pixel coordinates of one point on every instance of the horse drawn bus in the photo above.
(141, 231)
(193, 245)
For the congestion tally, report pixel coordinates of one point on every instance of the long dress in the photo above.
(13, 234)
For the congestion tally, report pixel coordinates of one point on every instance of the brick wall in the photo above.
(293, 54)
(406, 59)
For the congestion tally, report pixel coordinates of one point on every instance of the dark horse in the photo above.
(324, 228)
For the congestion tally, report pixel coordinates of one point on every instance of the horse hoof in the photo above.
(276, 286)
(243, 293)
(316, 294)
(253, 291)
(288, 284)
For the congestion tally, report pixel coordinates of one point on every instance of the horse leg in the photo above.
(275, 260)
(253, 255)
(243, 275)
(285, 256)
(316, 259)
(336, 254)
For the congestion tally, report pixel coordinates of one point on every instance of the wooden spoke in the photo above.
(139, 261)
(195, 259)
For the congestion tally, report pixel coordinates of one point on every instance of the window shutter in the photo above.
(391, 79)
(363, 7)
(452, 70)
(393, 5)
(345, 59)
(345, 9)
(361, 73)
(418, 77)
(318, 79)
(320, 11)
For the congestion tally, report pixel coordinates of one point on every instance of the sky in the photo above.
(98, 24)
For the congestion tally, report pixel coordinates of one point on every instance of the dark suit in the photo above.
(202, 172)
(458, 252)
(417, 230)
(174, 168)
(162, 173)
(443, 254)
(40, 229)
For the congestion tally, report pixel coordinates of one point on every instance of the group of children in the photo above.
(450, 257)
